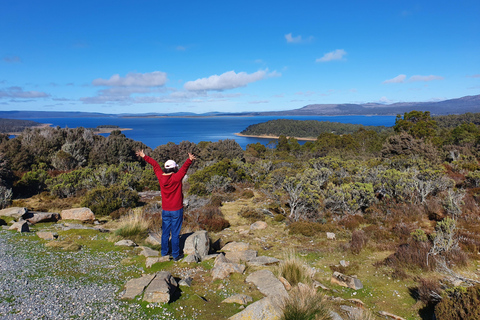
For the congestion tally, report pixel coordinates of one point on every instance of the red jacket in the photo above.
(170, 185)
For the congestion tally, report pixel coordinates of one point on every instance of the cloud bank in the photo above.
(132, 79)
(417, 78)
(331, 56)
(228, 80)
(17, 92)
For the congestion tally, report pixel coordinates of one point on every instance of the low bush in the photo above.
(429, 291)
(104, 200)
(459, 303)
(208, 218)
(247, 194)
(359, 240)
(305, 303)
(352, 222)
(410, 256)
(251, 215)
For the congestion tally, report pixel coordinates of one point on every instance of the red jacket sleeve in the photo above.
(156, 167)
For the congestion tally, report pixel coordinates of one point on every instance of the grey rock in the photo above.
(344, 263)
(390, 315)
(238, 298)
(223, 270)
(259, 225)
(346, 281)
(317, 284)
(210, 256)
(192, 258)
(13, 212)
(265, 309)
(35, 217)
(82, 214)
(135, 287)
(149, 252)
(45, 235)
(267, 283)
(153, 239)
(331, 236)
(262, 261)
(150, 261)
(235, 246)
(126, 243)
(187, 282)
(161, 288)
(241, 256)
(197, 243)
(335, 316)
(20, 226)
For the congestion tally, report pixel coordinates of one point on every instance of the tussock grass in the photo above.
(294, 269)
(67, 245)
(133, 226)
(305, 303)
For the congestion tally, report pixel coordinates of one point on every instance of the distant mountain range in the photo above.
(452, 106)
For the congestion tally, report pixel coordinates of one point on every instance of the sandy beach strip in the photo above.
(273, 137)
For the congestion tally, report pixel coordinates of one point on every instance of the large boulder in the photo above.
(223, 268)
(14, 212)
(198, 243)
(82, 214)
(35, 217)
(135, 287)
(161, 288)
(235, 246)
(265, 309)
(20, 226)
(243, 256)
(267, 283)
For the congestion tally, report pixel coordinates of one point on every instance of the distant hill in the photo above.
(451, 106)
(15, 125)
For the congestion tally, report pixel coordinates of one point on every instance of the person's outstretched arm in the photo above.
(156, 167)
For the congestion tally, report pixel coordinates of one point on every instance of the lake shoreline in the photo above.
(95, 130)
(273, 137)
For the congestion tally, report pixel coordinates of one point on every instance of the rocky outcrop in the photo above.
(224, 267)
(161, 288)
(267, 283)
(135, 287)
(346, 281)
(241, 256)
(265, 309)
(20, 226)
(236, 246)
(82, 214)
(34, 217)
(197, 244)
(14, 212)
(238, 298)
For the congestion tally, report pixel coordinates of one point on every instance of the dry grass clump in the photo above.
(133, 226)
(360, 314)
(67, 245)
(294, 270)
(359, 241)
(305, 303)
(251, 214)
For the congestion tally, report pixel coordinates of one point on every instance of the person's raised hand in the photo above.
(191, 157)
(140, 153)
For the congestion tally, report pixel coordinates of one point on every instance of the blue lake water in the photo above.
(158, 131)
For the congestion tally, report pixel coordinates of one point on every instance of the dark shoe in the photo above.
(180, 257)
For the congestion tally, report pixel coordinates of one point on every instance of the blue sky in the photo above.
(141, 56)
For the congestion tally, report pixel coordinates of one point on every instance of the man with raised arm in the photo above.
(170, 181)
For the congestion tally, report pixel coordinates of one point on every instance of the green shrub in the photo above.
(198, 188)
(309, 229)
(247, 194)
(251, 215)
(460, 303)
(104, 200)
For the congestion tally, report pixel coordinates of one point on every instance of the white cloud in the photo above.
(132, 79)
(17, 92)
(424, 78)
(228, 80)
(291, 39)
(334, 55)
(398, 79)
(258, 101)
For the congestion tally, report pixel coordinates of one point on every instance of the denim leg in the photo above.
(177, 220)
(166, 228)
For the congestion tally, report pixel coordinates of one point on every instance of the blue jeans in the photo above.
(171, 223)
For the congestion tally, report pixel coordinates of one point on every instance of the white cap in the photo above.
(170, 164)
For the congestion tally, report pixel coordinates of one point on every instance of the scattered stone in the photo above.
(13, 212)
(47, 235)
(223, 270)
(35, 217)
(389, 315)
(197, 243)
(317, 284)
(267, 283)
(150, 261)
(331, 236)
(149, 252)
(135, 287)
(262, 261)
(82, 214)
(126, 243)
(20, 226)
(344, 263)
(187, 282)
(285, 283)
(236, 246)
(346, 281)
(192, 258)
(259, 225)
(238, 298)
(161, 288)
(153, 239)
(335, 316)
(265, 309)
(241, 256)
(210, 256)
